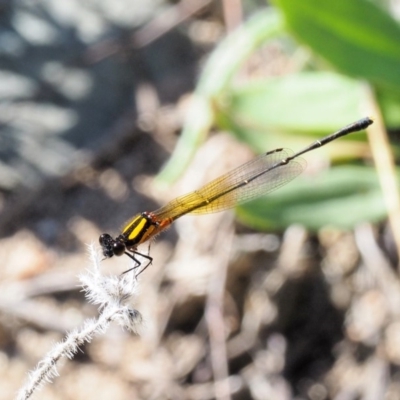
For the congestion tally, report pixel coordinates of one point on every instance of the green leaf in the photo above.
(222, 65)
(356, 36)
(390, 107)
(341, 197)
(305, 103)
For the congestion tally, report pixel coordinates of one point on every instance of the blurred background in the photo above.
(110, 108)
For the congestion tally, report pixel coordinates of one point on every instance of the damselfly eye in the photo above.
(104, 239)
(106, 242)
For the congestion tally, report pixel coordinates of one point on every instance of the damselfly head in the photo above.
(110, 246)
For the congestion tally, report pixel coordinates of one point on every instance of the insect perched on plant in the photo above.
(259, 176)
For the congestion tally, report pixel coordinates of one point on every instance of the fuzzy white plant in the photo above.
(112, 295)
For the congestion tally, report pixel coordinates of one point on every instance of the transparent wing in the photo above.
(259, 176)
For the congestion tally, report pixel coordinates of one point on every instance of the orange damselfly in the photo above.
(259, 176)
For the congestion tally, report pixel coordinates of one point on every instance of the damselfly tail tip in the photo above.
(361, 124)
(369, 120)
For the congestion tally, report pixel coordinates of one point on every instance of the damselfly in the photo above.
(259, 176)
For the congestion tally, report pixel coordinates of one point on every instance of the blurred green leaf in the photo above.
(356, 36)
(224, 62)
(309, 102)
(341, 197)
(389, 103)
